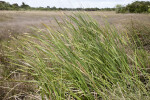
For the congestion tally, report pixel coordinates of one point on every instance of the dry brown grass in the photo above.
(16, 22)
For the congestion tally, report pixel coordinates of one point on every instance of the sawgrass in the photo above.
(82, 61)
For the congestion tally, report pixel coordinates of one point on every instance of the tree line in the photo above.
(6, 6)
(135, 7)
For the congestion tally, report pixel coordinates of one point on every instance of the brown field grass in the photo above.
(17, 22)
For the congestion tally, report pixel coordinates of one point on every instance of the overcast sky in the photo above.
(73, 3)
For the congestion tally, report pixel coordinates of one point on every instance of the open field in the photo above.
(17, 22)
(104, 58)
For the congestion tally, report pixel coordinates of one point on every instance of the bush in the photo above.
(136, 7)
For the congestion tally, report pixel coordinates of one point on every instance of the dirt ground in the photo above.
(17, 22)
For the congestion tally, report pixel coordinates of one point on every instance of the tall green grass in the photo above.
(82, 61)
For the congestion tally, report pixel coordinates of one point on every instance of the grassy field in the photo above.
(17, 22)
(74, 55)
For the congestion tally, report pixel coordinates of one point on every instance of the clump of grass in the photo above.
(81, 61)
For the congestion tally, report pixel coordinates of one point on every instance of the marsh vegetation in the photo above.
(80, 56)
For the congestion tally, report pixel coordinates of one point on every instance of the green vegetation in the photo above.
(7, 6)
(83, 61)
(15, 6)
(135, 7)
(120, 8)
(149, 10)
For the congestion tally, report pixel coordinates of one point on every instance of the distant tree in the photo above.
(4, 5)
(60, 8)
(79, 8)
(135, 7)
(25, 6)
(48, 7)
(120, 9)
(15, 6)
(54, 8)
(138, 6)
(91, 9)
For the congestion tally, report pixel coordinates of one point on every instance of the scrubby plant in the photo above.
(82, 61)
